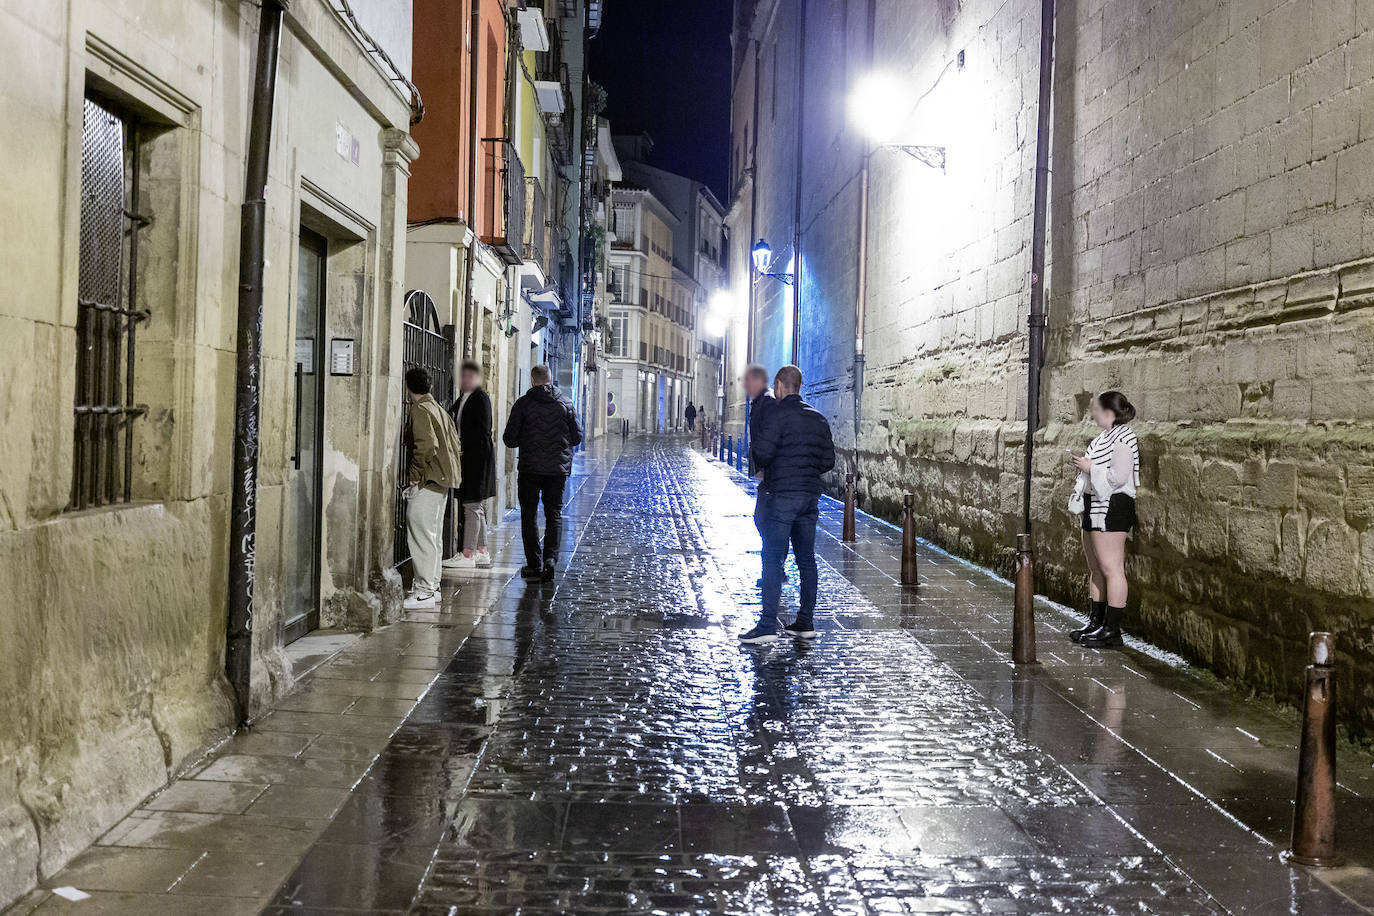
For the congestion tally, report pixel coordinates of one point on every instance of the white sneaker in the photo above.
(419, 601)
(482, 558)
(458, 561)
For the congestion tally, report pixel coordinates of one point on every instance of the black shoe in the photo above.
(801, 630)
(758, 635)
(1107, 636)
(1095, 618)
(530, 572)
(547, 575)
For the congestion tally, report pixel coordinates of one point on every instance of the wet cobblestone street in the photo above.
(602, 743)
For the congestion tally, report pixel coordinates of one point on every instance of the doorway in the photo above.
(301, 525)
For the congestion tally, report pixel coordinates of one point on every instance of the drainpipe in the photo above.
(1036, 321)
(474, 163)
(748, 254)
(243, 522)
(861, 290)
(797, 189)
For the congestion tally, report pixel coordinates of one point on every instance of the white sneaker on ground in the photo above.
(482, 559)
(419, 601)
(458, 561)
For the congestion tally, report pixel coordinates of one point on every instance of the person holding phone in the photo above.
(1111, 468)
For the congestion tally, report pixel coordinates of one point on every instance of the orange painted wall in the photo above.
(442, 64)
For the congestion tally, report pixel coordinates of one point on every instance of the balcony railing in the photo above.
(536, 225)
(503, 175)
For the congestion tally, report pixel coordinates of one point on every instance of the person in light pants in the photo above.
(433, 470)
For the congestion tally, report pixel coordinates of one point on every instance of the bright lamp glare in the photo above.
(722, 304)
(878, 106)
(762, 255)
(714, 325)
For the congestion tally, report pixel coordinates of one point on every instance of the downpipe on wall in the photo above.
(243, 513)
(1023, 620)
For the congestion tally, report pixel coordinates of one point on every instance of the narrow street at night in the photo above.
(601, 743)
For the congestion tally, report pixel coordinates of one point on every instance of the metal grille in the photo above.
(427, 345)
(106, 318)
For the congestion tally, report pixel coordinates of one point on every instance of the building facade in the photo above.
(1208, 254)
(119, 351)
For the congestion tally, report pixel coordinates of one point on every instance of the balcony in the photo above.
(503, 222)
(536, 225)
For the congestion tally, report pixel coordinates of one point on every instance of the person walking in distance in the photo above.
(1112, 470)
(691, 414)
(793, 448)
(434, 469)
(544, 428)
(471, 414)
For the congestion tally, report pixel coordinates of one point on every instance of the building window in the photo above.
(107, 314)
(618, 334)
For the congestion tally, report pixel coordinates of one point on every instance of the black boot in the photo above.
(1107, 636)
(1095, 618)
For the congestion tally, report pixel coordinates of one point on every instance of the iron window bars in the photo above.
(107, 317)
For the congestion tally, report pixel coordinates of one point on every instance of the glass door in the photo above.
(301, 525)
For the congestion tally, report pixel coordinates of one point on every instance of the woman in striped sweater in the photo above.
(1112, 468)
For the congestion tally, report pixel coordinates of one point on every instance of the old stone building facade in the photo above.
(121, 256)
(1210, 254)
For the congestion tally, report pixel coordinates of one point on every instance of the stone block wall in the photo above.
(1211, 248)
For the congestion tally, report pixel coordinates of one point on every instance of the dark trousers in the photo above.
(787, 520)
(531, 489)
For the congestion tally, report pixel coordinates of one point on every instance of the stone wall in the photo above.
(1210, 255)
(112, 624)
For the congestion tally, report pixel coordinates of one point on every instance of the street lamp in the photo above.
(763, 259)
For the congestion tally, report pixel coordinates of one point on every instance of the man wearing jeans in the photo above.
(792, 448)
(544, 428)
(471, 414)
(433, 470)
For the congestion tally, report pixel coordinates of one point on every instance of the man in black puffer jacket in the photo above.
(793, 448)
(544, 428)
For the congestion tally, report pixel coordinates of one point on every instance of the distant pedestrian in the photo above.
(544, 428)
(434, 469)
(792, 448)
(472, 416)
(691, 415)
(1108, 476)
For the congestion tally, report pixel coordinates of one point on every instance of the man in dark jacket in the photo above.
(691, 414)
(793, 449)
(760, 401)
(471, 414)
(544, 428)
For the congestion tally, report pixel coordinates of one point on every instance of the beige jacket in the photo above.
(434, 450)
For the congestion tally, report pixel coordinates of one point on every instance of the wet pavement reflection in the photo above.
(602, 744)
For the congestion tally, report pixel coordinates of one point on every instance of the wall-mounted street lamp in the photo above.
(763, 259)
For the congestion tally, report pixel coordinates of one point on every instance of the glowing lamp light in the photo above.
(763, 256)
(713, 325)
(878, 106)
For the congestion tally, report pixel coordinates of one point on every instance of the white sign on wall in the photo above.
(346, 145)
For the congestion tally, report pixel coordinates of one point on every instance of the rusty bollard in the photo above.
(1314, 818)
(909, 573)
(1023, 604)
(848, 533)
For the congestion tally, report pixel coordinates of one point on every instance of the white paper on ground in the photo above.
(70, 893)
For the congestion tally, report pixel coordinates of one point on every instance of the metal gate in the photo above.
(430, 346)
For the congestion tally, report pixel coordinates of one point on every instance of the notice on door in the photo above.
(341, 356)
(305, 355)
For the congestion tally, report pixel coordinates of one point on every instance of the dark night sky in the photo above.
(666, 68)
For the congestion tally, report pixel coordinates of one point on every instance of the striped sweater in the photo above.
(1115, 458)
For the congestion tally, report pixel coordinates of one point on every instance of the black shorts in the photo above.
(1120, 514)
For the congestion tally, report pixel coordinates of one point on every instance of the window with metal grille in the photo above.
(107, 314)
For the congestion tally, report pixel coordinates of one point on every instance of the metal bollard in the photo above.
(848, 532)
(909, 571)
(1314, 818)
(1023, 604)
(729, 449)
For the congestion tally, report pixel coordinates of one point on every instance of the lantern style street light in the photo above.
(763, 259)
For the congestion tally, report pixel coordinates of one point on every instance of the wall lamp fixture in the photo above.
(763, 259)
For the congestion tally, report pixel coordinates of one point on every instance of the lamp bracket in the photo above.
(933, 156)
